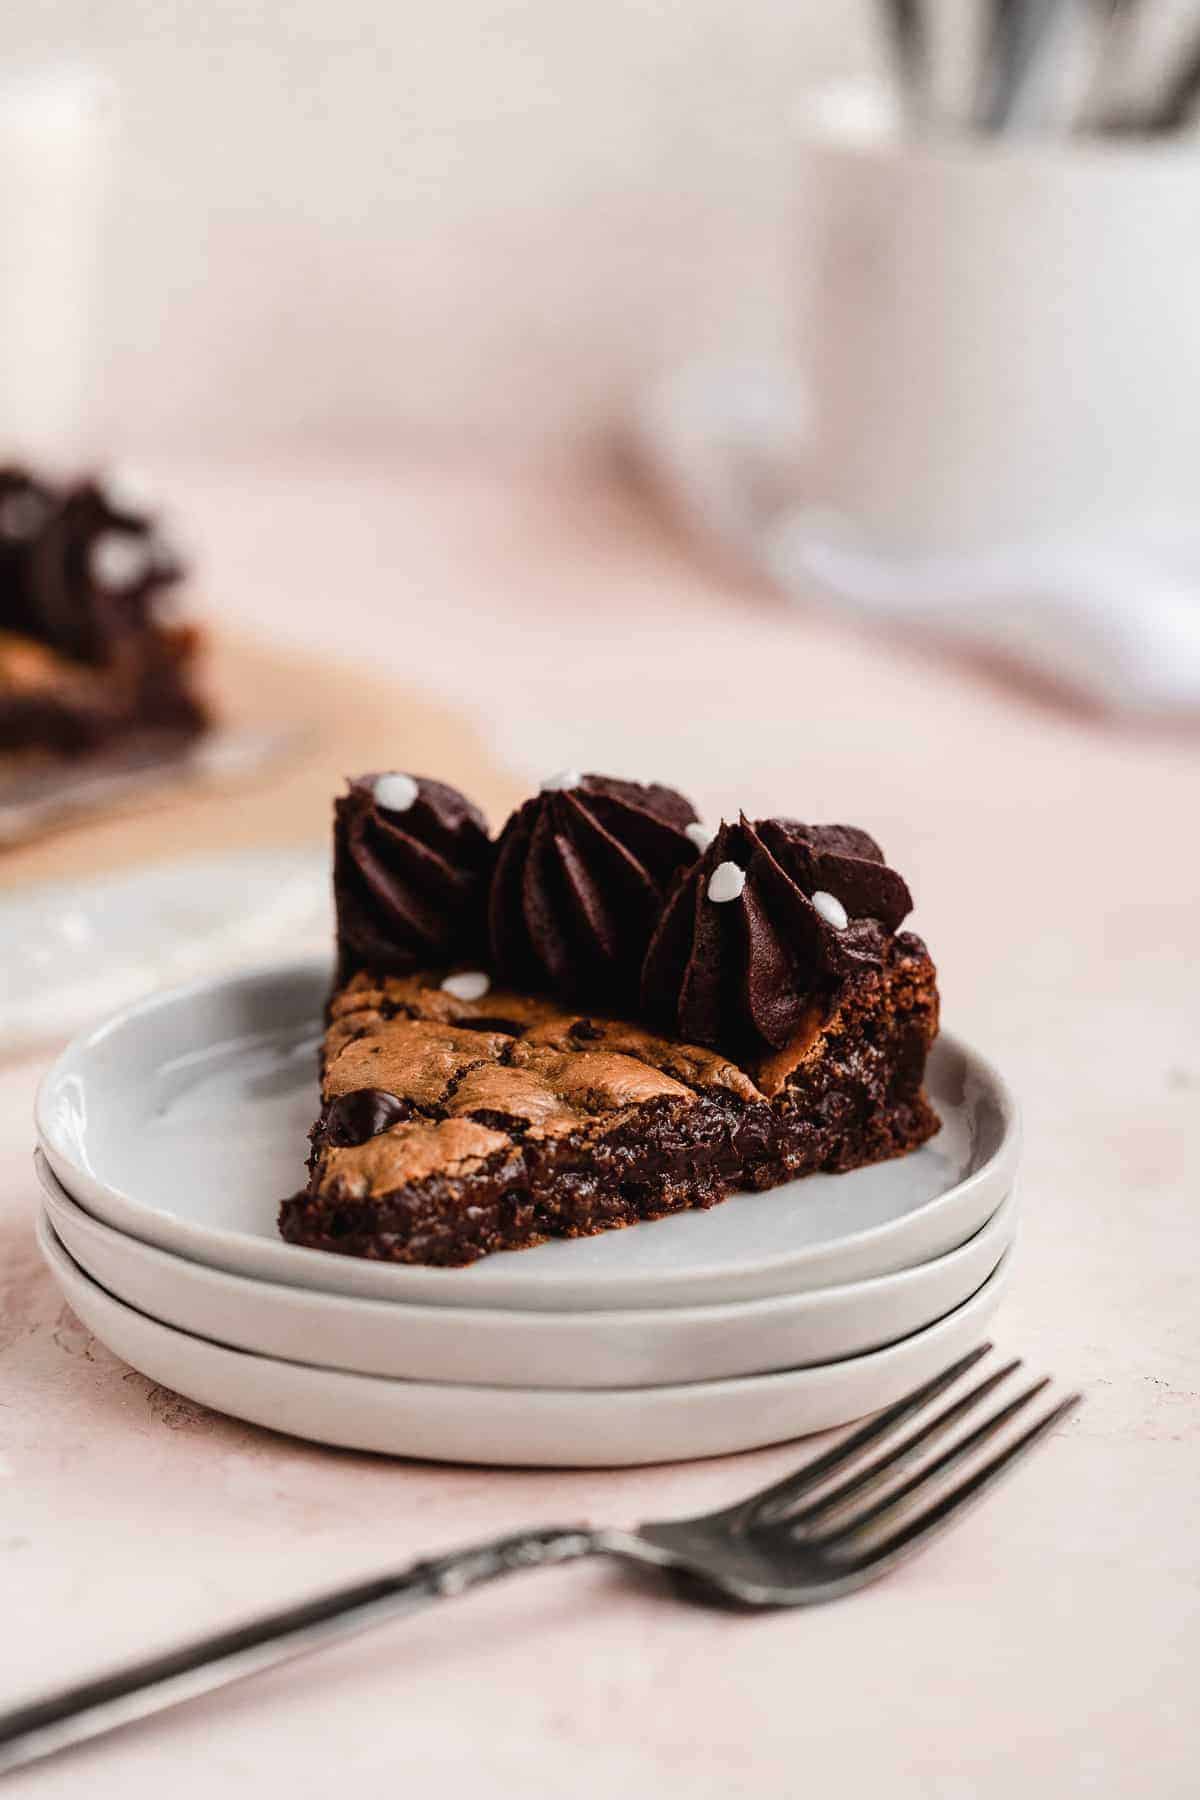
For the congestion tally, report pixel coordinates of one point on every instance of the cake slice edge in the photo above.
(451, 1129)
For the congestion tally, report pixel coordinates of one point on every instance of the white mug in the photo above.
(999, 339)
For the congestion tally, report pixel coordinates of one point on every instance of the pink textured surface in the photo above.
(1050, 1644)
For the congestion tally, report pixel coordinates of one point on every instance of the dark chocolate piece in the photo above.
(355, 1117)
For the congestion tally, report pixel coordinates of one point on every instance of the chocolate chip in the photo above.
(584, 1029)
(353, 1118)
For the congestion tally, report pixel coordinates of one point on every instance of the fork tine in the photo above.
(892, 1461)
(930, 1471)
(936, 1517)
(761, 1508)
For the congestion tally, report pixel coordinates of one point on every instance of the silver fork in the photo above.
(837, 1523)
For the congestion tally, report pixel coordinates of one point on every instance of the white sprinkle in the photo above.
(726, 882)
(701, 834)
(831, 909)
(395, 793)
(554, 784)
(118, 559)
(127, 490)
(472, 985)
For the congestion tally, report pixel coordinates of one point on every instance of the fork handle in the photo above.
(93, 1707)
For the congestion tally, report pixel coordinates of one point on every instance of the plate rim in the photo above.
(464, 1317)
(54, 1253)
(527, 1428)
(209, 1244)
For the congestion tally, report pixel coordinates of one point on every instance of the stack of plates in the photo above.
(169, 1136)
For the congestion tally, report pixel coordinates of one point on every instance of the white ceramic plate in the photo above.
(514, 1349)
(534, 1427)
(74, 950)
(184, 1122)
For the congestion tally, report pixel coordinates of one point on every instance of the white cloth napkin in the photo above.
(1114, 619)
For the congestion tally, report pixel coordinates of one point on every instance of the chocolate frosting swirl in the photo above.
(742, 973)
(83, 569)
(410, 884)
(581, 874)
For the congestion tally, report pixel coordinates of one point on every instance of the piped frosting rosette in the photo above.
(772, 915)
(582, 871)
(411, 864)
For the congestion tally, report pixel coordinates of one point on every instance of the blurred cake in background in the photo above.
(91, 656)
